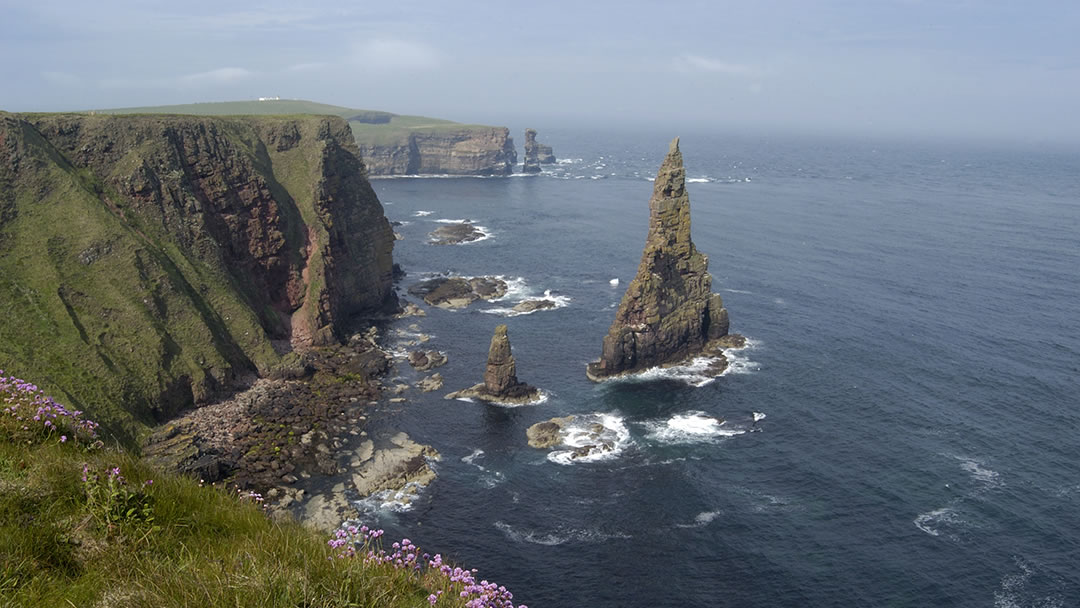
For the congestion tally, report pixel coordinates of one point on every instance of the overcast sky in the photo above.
(995, 68)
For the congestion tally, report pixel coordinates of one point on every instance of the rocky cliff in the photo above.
(500, 376)
(445, 149)
(536, 154)
(668, 312)
(147, 261)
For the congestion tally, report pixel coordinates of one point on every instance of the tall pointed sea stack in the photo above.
(500, 376)
(668, 312)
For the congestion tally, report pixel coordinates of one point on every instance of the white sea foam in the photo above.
(568, 161)
(544, 396)
(739, 291)
(556, 537)
(698, 180)
(987, 477)
(450, 221)
(690, 427)
(701, 520)
(471, 458)
(517, 291)
(1013, 593)
(394, 501)
(614, 282)
(558, 300)
(939, 521)
(578, 434)
(697, 372)
(422, 213)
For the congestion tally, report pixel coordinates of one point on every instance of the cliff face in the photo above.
(159, 257)
(445, 150)
(536, 153)
(668, 312)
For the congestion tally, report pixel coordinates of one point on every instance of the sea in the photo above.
(914, 346)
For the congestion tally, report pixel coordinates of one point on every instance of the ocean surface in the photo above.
(915, 347)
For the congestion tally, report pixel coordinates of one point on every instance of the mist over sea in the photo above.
(915, 346)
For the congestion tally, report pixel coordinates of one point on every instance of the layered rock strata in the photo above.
(447, 149)
(668, 312)
(500, 376)
(536, 154)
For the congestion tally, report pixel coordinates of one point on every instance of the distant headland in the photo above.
(390, 144)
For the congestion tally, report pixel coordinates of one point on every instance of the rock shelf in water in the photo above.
(668, 313)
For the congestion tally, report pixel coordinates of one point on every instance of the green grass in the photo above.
(204, 547)
(82, 524)
(395, 132)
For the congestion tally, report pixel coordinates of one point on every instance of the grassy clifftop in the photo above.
(368, 126)
(146, 262)
(390, 143)
(84, 525)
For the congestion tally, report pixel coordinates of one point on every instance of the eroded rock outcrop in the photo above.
(500, 376)
(536, 153)
(458, 292)
(668, 312)
(446, 149)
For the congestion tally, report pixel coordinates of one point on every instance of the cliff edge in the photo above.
(668, 312)
(149, 261)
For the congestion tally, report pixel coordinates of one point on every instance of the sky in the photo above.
(999, 69)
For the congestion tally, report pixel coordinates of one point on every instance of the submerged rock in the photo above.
(533, 305)
(455, 234)
(668, 312)
(458, 292)
(500, 376)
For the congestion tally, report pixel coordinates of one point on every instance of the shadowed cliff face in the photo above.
(668, 312)
(449, 151)
(164, 255)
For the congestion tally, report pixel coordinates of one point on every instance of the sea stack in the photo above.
(500, 376)
(536, 154)
(668, 313)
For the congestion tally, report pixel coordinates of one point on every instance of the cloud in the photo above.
(697, 63)
(395, 54)
(212, 77)
(313, 66)
(61, 78)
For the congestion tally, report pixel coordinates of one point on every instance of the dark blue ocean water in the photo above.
(915, 347)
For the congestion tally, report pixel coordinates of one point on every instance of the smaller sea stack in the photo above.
(668, 313)
(500, 376)
(536, 153)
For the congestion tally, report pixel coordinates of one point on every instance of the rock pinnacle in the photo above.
(668, 312)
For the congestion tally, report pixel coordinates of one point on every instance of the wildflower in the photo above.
(63, 438)
(432, 599)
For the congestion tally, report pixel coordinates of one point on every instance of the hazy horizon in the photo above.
(952, 69)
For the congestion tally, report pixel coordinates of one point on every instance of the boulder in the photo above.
(547, 434)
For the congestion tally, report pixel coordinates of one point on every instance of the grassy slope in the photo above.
(110, 335)
(396, 132)
(204, 546)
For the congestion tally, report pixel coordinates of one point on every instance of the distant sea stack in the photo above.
(668, 312)
(536, 154)
(500, 376)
